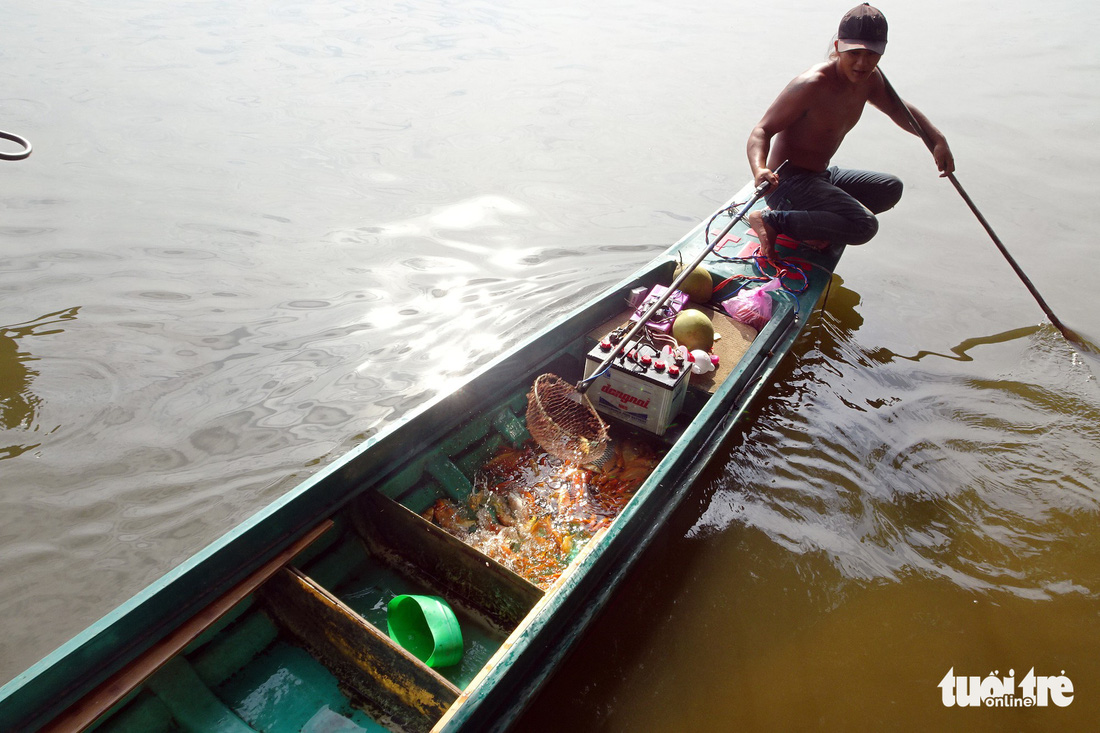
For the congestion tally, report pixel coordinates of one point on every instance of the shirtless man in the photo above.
(813, 202)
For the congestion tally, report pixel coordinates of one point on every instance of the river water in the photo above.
(253, 233)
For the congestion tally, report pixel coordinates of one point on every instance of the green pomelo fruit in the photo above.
(694, 330)
(698, 284)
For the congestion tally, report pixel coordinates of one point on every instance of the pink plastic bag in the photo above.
(752, 307)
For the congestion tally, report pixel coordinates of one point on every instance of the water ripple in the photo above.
(994, 475)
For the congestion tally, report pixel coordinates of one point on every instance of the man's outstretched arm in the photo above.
(892, 106)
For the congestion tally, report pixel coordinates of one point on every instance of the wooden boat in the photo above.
(280, 625)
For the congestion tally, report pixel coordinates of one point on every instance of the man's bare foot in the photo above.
(817, 245)
(764, 232)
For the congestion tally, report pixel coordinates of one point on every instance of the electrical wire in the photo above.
(730, 211)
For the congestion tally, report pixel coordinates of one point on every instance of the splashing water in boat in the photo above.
(532, 512)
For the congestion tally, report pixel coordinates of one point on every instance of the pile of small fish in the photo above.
(532, 513)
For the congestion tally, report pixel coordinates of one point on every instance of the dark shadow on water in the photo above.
(959, 352)
(18, 403)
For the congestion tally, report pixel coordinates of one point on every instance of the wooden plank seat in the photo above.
(424, 551)
(109, 693)
(396, 686)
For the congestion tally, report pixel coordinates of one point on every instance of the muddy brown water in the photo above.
(252, 235)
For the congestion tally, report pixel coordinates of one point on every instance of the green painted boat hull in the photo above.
(430, 453)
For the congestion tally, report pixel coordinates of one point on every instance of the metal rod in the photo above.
(760, 190)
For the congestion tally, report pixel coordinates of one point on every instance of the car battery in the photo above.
(639, 387)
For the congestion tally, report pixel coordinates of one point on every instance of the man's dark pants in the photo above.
(835, 205)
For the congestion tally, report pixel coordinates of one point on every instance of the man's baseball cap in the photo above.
(862, 27)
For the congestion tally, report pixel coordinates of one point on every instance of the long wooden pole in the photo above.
(989, 229)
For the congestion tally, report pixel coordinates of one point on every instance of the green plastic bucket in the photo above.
(426, 627)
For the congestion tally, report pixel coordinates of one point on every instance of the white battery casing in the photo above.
(637, 394)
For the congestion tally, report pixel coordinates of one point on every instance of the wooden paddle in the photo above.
(1070, 335)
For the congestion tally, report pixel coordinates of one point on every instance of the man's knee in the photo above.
(891, 193)
(865, 229)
